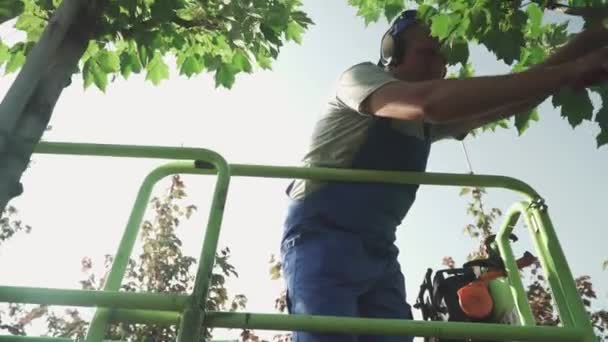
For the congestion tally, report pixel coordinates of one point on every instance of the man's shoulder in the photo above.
(362, 67)
(365, 64)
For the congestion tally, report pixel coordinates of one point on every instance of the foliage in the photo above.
(138, 36)
(10, 224)
(228, 37)
(517, 32)
(160, 268)
(12, 315)
(538, 291)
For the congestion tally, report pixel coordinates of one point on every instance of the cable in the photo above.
(466, 155)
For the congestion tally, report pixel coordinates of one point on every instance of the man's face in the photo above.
(422, 59)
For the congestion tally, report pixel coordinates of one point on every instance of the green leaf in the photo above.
(464, 22)
(522, 121)
(162, 10)
(426, 12)
(222, 48)
(129, 63)
(225, 76)
(466, 71)
(556, 35)
(100, 77)
(92, 50)
(440, 26)
(155, 41)
(368, 10)
(506, 45)
(4, 53)
(480, 22)
(16, 61)
(294, 32)
(219, 29)
(157, 69)
(32, 25)
(535, 18)
(601, 117)
(192, 65)
(392, 9)
(456, 52)
(87, 74)
(299, 16)
(144, 54)
(464, 191)
(264, 61)
(275, 272)
(602, 138)
(108, 61)
(240, 62)
(536, 54)
(10, 9)
(576, 106)
(492, 126)
(93, 74)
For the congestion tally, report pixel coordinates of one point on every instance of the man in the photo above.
(338, 251)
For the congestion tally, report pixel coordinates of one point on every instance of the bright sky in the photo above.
(78, 206)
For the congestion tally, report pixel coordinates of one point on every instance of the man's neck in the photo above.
(405, 75)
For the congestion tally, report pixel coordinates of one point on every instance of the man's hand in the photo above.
(583, 43)
(595, 35)
(583, 72)
(586, 48)
(590, 70)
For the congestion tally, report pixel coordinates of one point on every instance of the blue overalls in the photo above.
(338, 251)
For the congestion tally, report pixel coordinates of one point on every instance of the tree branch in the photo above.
(585, 12)
(183, 23)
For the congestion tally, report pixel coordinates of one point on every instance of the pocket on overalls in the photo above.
(288, 267)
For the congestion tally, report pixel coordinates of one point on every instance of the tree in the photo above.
(538, 291)
(114, 37)
(11, 314)
(160, 268)
(516, 33)
(539, 294)
(104, 39)
(227, 38)
(11, 224)
(131, 37)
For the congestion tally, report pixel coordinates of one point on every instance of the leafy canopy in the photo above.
(515, 31)
(138, 36)
(230, 37)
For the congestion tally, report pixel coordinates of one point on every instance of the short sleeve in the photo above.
(359, 82)
(442, 132)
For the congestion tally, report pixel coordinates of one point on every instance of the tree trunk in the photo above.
(27, 107)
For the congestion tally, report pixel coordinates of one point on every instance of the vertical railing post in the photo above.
(101, 318)
(193, 317)
(572, 301)
(517, 288)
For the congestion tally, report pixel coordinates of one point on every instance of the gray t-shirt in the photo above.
(344, 127)
(347, 137)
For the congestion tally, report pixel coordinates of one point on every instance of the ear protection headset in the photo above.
(392, 47)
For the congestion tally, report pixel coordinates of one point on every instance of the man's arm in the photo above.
(462, 128)
(455, 100)
(581, 45)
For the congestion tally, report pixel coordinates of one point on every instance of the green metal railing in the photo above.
(185, 311)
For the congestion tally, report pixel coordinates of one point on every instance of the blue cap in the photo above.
(400, 24)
